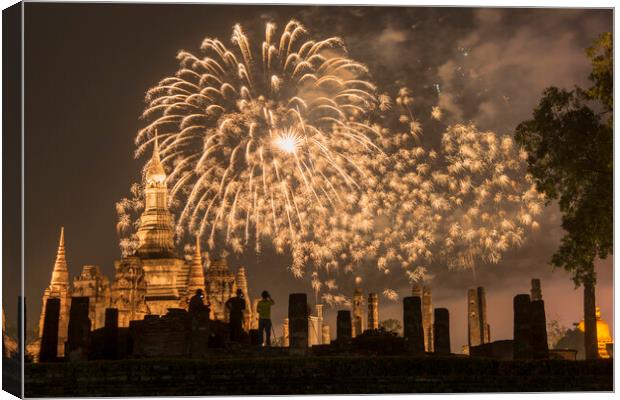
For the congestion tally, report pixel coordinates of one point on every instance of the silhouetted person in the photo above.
(196, 303)
(235, 306)
(263, 308)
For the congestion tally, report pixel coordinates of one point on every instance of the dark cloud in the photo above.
(88, 67)
(503, 65)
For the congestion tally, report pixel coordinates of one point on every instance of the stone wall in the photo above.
(308, 375)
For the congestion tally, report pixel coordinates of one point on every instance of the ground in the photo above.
(314, 375)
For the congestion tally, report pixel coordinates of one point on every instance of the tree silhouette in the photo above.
(391, 325)
(569, 142)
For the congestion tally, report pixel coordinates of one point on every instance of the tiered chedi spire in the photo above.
(60, 274)
(59, 288)
(196, 272)
(156, 232)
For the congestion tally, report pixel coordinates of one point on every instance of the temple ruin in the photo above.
(150, 281)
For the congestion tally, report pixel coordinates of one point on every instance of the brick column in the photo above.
(326, 337)
(441, 331)
(344, 326)
(78, 333)
(110, 334)
(522, 345)
(49, 336)
(285, 333)
(373, 311)
(540, 346)
(298, 322)
(412, 324)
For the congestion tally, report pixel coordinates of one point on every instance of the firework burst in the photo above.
(260, 143)
(288, 142)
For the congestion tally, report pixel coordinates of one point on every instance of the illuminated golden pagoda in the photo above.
(156, 232)
(603, 334)
(165, 273)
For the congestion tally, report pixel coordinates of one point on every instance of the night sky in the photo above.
(89, 65)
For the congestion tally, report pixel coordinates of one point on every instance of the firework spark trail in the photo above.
(290, 145)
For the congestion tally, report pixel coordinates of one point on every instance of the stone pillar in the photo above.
(133, 338)
(76, 348)
(424, 293)
(344, 326)
(441, 331)
(427, 319)
(486, 328)
(285, 336)
(314, 331)
(522, 345)
(473, 319)
(298, 322)
(49, 336)
(358, 313)
(536, 292)
(479, 332)
(326, 337)
(412, 324)
(373, 311)
(540, 346)
(319, 323)
(110, 334)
